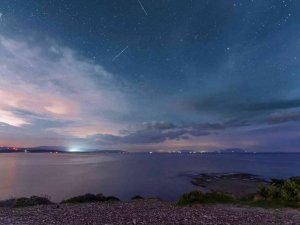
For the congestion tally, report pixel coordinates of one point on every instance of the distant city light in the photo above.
(74, 150)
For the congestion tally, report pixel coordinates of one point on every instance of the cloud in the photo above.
(283, 117)
(52, 88)
(160, 125)
(274, 105)
(221, 125)
(162, 132)
(10, 118)
(153, 125)
(138, 137)
(226, 105)
(158, 132)
(54, 82)
(49, 88)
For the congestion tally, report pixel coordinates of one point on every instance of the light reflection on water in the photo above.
(124, 175)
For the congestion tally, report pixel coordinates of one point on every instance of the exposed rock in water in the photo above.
(236, 184)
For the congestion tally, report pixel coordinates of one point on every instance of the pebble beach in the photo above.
(146, 212)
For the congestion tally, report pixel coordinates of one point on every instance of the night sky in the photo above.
(150, 74)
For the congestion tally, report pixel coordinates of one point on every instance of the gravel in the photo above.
(146, 212)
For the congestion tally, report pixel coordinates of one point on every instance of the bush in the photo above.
(290, 191)
(296, 179)
(23, 202)
(275, 193)
(33, 200)
(205, 198)
(137, 197)
(85, 198)
(7, 203)
(111, 199)
(284, 193)
(277, 182)
(90, 198)
(265, 192)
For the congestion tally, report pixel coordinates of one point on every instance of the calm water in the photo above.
(124, 175)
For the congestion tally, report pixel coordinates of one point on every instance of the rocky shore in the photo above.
(235, 184)
(146, 212)
(240, 195)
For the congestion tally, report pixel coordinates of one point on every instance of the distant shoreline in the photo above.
(26, 150)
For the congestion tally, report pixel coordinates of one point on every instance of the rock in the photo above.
(7, 203)
(137, 197)
(147, 212)
(236, 184)
(112, 199)
(33, 200)
(90, 198)
(85, 198)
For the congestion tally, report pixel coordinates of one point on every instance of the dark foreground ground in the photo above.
(146, 212)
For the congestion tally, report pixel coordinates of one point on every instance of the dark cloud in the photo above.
(220, 126)
(138, 137)
(283, 117)
(218, 105)
(158, 132)
(274, 105)
(156, 125)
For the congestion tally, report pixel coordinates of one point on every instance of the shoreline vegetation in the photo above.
(244, 189)
(234, 188)
(275, 202)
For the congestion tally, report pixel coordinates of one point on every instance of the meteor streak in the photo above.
(142, 7)
(120, 53)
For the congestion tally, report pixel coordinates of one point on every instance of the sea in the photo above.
(124, 175)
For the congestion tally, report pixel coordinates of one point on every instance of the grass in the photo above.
(271, 204)
(195, 197)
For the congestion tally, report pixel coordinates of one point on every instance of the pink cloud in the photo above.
(12, 119)
(55, 83)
